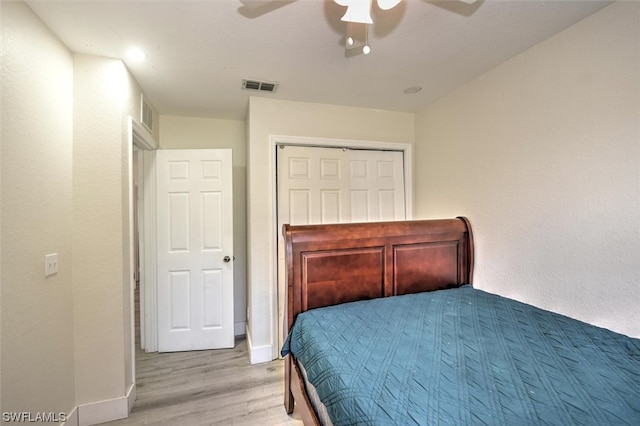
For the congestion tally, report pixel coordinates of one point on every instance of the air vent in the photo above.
(146, 114)
(263, 86)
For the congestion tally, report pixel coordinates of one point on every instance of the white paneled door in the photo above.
(335, 185)
(195, 249)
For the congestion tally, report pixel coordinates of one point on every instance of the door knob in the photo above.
(226, 259)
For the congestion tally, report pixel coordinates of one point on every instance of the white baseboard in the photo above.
(258, 354)
(131, 397)
(102, 411)
(94, 413)
(240, 328)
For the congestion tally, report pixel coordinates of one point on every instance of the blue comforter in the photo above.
(465, 357)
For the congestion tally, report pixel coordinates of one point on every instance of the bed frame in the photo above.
(332, 264)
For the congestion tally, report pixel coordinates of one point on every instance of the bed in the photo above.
(385, 328)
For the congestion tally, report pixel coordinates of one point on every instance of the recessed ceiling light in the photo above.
(135, 54)
(412, 89)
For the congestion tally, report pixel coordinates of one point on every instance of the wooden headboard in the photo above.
(331, 264)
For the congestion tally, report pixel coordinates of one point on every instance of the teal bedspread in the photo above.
(465, 357)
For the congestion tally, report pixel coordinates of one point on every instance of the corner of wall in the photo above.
(258, 354)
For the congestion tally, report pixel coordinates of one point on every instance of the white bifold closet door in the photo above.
(335, 185)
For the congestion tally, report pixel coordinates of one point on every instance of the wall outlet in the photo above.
(50, 264)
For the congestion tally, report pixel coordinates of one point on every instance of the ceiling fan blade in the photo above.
(252, 4)
(255, 8)
(461, 7)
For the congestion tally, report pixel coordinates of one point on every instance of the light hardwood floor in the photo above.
(216, 387)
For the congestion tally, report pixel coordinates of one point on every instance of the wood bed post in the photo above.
(288, 396)
(470, 249)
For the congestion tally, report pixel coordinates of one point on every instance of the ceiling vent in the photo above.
(262, 86)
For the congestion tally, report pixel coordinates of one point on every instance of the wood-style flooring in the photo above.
(218, 387)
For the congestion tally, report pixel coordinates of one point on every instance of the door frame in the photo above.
(274, 141)
(145, 141)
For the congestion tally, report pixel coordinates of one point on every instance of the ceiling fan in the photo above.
(359, 12)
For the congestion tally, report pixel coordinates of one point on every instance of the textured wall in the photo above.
(100, 236)
(37, 312)
(542, 154)
(65, 170)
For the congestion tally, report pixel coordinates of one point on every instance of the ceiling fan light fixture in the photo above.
(388, 4)
(366, 49)
(358, 11)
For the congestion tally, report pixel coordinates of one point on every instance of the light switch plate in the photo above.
(50, 264)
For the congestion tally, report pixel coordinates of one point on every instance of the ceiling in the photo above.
(198, 52)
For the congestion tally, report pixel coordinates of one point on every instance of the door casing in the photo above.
(143, 139)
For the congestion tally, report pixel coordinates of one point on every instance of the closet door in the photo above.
(318, 185)
(313, 186)
(376, 186)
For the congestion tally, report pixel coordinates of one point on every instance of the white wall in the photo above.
(543, 155)
(67, 339)
(37, 312)
(203, 133)
(99, 243)
(270, 117)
